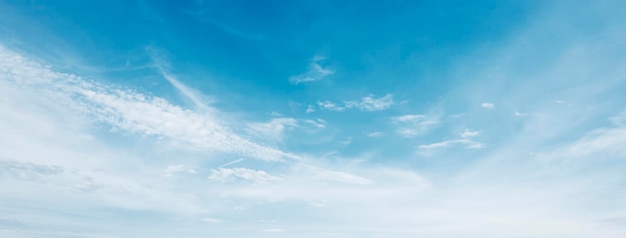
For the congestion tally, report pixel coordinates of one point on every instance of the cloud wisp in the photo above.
(469, 144)
(244, 174)
(128, 110)
(367, 104)
(315, 72)
(412, 125)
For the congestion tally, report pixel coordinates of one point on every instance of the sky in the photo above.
(381, 119)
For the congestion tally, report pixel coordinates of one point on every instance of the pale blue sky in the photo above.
(313, 119)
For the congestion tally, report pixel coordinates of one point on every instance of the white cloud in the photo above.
(242, 174)
(409, 118)
(468, 133)
(367, 104)
(274, 129)
(603, 141)
(375, 134)
(470, 144)
(370, 104)
(68, 168)
(412, 125)
(441, 144)
(310, 109)
(129, 110)
(519, 114)
(475, 145)
(315, 72)
(318, 123)
(277, 129)
(328, 105)
(232, 162)
(306, 183)
(487, 105)
(346, 141)
(199, 101)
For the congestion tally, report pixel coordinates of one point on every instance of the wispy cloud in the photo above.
(242, 174)
(328, 105)
(412, 125)
(619, 119)
(274, 129)
(368, 104)
(198, 100)
(469, 144)
(232, 163)
(310, 109)
(468, 133)
(277, 130)
(375, 134)
(324, 174)
(317, 123)
(315, 72)
(464, 138)
(131, 111)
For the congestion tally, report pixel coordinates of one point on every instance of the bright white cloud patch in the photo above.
(487, 105)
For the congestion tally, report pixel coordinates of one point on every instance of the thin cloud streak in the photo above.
(131, 111)
(315, 72)
(366, 104)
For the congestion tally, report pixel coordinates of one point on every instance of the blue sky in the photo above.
(312, 119)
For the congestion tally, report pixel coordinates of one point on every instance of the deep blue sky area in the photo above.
(367, 40)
